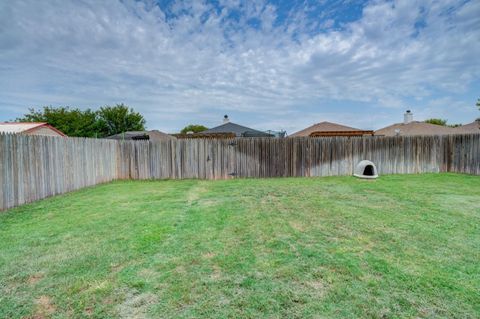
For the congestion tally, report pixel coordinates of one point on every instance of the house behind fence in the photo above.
(30, 128)
(35, 167)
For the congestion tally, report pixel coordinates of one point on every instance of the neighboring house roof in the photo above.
(153, 135)
(26, 127)
(473, 127)
(324, 127)
(205, 135)
(238, 130)
(341, 133)
(415, 128)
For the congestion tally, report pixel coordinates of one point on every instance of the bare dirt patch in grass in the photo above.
(45, 307)
(216, 273)
(319, 287)
(89, 311)
(135, 305)
(33, 279)
(209, 255)
(297, 226)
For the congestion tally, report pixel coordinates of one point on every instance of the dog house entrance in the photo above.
(366, 169)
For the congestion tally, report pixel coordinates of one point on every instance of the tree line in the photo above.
(106, 121)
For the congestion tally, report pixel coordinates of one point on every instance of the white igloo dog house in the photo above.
(366, 169)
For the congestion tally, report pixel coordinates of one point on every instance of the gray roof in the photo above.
(153, 135)
(239, 130)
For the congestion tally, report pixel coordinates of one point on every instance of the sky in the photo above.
(270, 65)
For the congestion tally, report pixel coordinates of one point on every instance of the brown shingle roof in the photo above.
(473, 127)
(324, 127)
(415, 128)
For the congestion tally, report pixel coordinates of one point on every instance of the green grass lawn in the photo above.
(398, 247)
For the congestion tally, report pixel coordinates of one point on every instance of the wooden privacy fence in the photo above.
(35, 167)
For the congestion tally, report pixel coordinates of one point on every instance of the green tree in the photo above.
(71, 121)
(441, 122)
(195, 128)
(118, 119)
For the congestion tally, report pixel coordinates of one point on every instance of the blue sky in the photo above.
(270, 65)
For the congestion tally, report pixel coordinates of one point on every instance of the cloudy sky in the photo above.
(267, 64)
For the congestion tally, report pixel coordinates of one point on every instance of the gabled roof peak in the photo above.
(324, 126)
(239, 130)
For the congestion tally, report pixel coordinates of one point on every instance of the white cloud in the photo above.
(203, 61)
